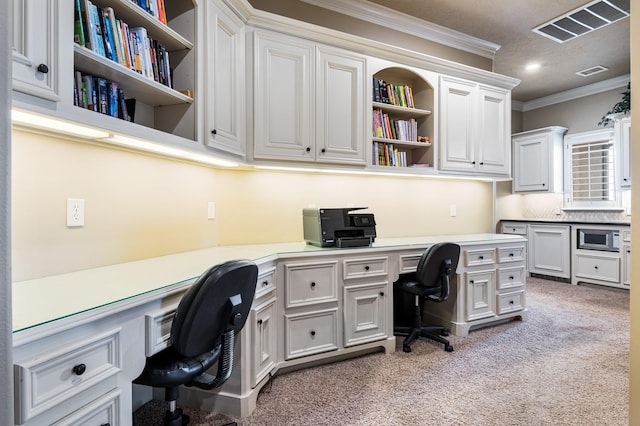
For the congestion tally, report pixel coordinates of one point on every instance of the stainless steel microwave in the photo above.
(599, 239)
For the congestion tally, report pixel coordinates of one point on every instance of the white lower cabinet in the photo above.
(70, 379)
(365, 313)
(489, 287)
(550, 250)
(263, 351)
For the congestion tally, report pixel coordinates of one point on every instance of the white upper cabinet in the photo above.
(36, 46)
(623, 140)
(340, 113)
(308, 101)
(538, 160)
(474, 127)
(225, 80)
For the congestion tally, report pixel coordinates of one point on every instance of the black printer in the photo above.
(338, 227)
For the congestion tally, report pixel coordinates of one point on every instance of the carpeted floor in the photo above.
(566, 365)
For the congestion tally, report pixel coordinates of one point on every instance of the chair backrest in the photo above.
(218, 301)
(437, 266)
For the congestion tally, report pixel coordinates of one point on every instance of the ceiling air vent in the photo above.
(591, 71)
(583, 20)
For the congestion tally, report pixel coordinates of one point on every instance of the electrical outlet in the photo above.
(75, 212)
(211, 210)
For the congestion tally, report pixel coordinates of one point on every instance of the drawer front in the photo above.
(102, 411)
(409, 262)
(598, 267)
(510, 278)
(308, 284)
(510, 254)
(477, 257)
(510, 302)
(626, 236)
(158, 330)
(514, 228)
(365, 313)
(266, 283)
(366, 267)
(52, 378)
(311, 333)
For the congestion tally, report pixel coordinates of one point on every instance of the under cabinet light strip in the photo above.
(167, 150)
(41, 122)
(54, 125)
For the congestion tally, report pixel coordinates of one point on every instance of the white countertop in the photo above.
(47, 299)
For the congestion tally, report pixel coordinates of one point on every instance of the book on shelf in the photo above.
(107, 36)
(113, 23)
(78, 24)
(393, 94)
(112, 95)
(89, 91)
(102, 95)
(96, 35)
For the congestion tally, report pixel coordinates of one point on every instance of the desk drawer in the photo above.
(365, 267)
(50, 379)
(598, 267)
(510, 254)
(102, 411)
(408, 263)
(311, 333)
(510, 302)
(479, 257)
(514, 228)
(510, 278)
(266, 283)
(311, 283)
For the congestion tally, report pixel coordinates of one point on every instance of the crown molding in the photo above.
(579, 92)
(389, 18)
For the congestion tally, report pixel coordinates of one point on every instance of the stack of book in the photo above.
(99, 30)
(384, 127)
(101, 95)
(388, 93)
(385, 154)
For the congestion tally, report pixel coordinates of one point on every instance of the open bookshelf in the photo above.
(402, 120)
(162, 104)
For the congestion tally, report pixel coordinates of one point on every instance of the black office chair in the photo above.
(436, 268)
(210, 314)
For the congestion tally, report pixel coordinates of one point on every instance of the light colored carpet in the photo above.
(566, 365)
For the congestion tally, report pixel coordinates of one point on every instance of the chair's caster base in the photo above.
(448, 348)
(176, 418)
(444, 333)
(406, 348)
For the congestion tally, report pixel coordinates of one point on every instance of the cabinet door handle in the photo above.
(480, 257)
(265, 283)
(313, 333)
(308, 149)
(382, 294)
(79, 369)
(511, 302)
(511, 278)
(482, 163)
(366, 268)
(260, 321)
(511, 254)
(596, 267)
(473, 163)
(471, 281)
(313, 284)
(43, 68)
(214, 132)
(323, 150)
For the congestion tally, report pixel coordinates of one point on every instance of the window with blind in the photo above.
(590, 170)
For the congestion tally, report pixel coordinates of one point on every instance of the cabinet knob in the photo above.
(473, 162)
(79, 369)
(43, 68)
(214, 132)
(511, 278)
(480, 257)
(313, 284)
(308, 149)
(382, 294)
(596, 267)
(260, 321)
(366, 268)
(323, 150)
(265, 283)
(510, 254)
(105, 424)
(482, 163)
(313, 332)
(471, 281)
(625, 179)
(543, 184)
(511, 302)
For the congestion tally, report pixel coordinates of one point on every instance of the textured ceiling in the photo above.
(509, 23)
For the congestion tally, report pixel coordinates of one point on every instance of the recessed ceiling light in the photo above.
(532, 67)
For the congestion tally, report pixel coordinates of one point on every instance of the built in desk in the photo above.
(109, 319)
